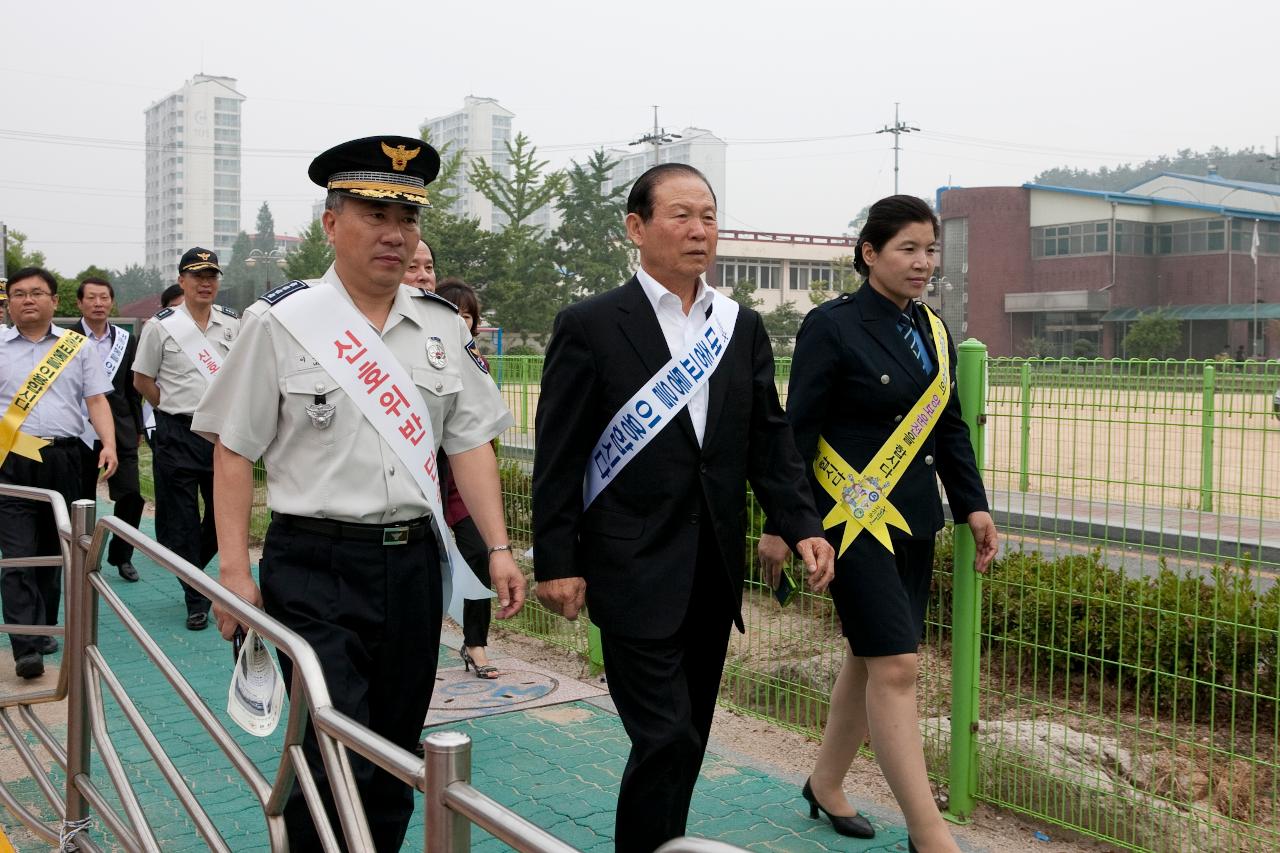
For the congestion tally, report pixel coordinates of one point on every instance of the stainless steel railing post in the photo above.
(81, 622)
(448, 760)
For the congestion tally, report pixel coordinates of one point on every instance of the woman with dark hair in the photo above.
(475, 614)
(873, 403)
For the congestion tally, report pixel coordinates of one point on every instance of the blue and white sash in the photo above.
(324, 323)
(111, 366)
(660, 399)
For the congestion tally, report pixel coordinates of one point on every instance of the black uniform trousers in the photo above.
(122, 487)
(665, 691)
(372, 613)
(182, 465)
(27, 529)
(476, 612)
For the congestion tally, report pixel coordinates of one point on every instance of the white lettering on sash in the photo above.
(346, 346)
(663, 396)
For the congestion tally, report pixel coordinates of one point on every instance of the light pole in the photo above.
(257, 255)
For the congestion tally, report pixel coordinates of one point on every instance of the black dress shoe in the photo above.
(854, 827)
(47, 645)
(911, 846)
(30, 665)
(128, 572)
(197, 621)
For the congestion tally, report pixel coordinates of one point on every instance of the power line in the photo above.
(897, 130)
(658, 138)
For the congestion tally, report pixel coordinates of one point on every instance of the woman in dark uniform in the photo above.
(866, 400)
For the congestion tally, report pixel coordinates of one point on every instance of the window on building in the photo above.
(803, 275)
(226, 119)
(1191, 236)
(1077, 238)
(227, 104)
(226, 134)
(1242, 236)
(765, 274)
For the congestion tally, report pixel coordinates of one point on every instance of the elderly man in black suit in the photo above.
(667, 371)
(115, 347)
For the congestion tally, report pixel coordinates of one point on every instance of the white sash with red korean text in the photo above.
(328, 326)
(111, 366)
(663, 396)
(193, 342)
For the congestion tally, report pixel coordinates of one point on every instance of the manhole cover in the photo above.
(464, 691)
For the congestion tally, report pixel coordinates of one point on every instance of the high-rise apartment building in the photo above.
(482, 128)
(696, 147)
(193, 171)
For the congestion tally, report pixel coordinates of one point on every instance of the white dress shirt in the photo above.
(681, 332)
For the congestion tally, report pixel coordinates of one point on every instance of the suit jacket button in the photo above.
(702, 469)
(928, 460)
(693, 518)
(897, 418)
(884, 379)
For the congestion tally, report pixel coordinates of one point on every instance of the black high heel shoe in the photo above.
(854, 827)
(488, 671)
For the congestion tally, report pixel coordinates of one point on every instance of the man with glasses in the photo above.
(45, 376)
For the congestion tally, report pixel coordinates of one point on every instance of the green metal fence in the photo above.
(1116, 672)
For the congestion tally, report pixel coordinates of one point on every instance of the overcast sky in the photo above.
(1000, 91)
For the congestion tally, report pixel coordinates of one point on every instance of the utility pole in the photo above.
(897, 130)
(658, 138)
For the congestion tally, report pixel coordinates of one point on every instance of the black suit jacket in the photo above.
(853, 379)
(124, 399)
(637, 544)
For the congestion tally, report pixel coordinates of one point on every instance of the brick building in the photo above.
(1072, 269)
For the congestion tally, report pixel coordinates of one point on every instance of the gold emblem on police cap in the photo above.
(435, 353)
(399, 155)
(204, 256)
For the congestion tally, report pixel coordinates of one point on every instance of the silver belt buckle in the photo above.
(395, 536)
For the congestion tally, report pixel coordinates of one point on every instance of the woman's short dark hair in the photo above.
(463, 295)
(36, 272)
(170, 295)
(886, 218)
(640, 199)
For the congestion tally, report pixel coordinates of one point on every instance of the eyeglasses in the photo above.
(23, 295)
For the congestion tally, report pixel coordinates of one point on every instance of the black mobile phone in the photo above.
(237, 640)
(786, 590)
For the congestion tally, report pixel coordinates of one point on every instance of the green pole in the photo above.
(1024, 479)
(595, 650)
(524, 393)
(966, 593)
(1206, 443)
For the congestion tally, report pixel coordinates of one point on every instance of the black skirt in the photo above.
(881, 597)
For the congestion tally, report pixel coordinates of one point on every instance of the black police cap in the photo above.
(196, 259)
(378, 168)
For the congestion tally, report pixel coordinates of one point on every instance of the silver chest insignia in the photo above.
(435, 353)
(320, 412)
(227, 334)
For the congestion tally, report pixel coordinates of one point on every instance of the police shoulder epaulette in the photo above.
(420, 293)
(271, 297)
(227, 311)
(163, 312)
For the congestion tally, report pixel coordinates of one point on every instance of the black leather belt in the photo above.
(60, 441)
(186, 419)
(382, 534)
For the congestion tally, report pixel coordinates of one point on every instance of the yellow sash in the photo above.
(862, 498)
(29, 393)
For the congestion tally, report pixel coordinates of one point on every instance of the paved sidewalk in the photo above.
(556, 762)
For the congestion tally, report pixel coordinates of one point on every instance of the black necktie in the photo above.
(908, 333)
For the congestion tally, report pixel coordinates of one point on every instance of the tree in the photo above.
(265, 239)
(783, 322)
(526, 191)
(1156, 334)
(854, 227)
(135, 282)
(16, 255)
(744, 290)
(313, 255)
(1035, 347)
(444, 191)
(592, 247)
(526, 290)
(462, 248)
(238, 288)
(844, 279)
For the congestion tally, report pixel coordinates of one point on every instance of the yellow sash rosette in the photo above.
(12, 440)
(862, 497)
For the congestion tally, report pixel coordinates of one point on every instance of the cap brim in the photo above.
(198, 267)
(396, 196)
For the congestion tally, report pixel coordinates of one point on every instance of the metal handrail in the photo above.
(451, 803)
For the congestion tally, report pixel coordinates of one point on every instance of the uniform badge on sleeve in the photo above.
(435, 353)
(475, 356)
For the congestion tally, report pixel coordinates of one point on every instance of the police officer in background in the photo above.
(40, 447)
(115, 348)
(350, 561)
(181, 349)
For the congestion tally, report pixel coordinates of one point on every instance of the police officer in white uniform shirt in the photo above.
(44, 451)
(350, 561)
(180, 350)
